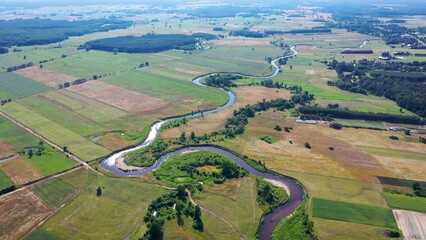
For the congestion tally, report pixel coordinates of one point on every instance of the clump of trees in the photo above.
(269, 194)
(404, 83)
(172, 205)
(24, 65)
(336, 125)
(149, 43)
(147, 156)
(26, 32)
(75, 82)
(348, 114)
(222, 80)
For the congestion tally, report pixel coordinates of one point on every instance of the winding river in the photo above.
(272, 218)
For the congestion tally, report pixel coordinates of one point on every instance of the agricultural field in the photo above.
(356, 179)
(19, 86)
(124, 201)
(356, 213)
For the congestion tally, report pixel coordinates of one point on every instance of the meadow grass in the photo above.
(58, 191)
(332, 229)
(20, 86)
(350, 212)
(4, 180)
(401, 201)
(16, 136)
(361, 124)
(55, 132)
(52, 161)
(389, 152)
(116, 214)
(166, 88)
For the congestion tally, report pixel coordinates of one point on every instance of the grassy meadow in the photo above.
(401, 201)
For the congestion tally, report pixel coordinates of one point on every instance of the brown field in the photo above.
(216, 121)
(179, 69)
(412, 224)
(405, 168)
(6, 149)
(133, 102)
(20, 171)
(45, 76)
(242, 42)
(21, 211)
(113, 141)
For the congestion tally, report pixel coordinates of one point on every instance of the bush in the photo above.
(336, 125)
(392, 233)
(307, 145)
(393, 137)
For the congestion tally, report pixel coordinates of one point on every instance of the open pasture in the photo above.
(55, 132)
(401, 201)
(45, 107)
(20, 86)
(45, 76)
(14, 138)
(4, 180)
(133, 102)
(21, 211)
(355, 213)
(60, 190)
(52, 161)
(124, 202)
(20, 170)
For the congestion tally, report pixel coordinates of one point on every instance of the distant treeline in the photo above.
(14, 68)
(149, 43)
(247, 33)
(44, 31)
(347, 114)
(3, 50)
(357, 52)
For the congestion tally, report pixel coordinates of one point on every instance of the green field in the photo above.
(16, 136)
(56, 113)
(361, 124)
(55, 132)
(401, 201)
(20, 86)
(52, 161)
(4, 180)
(117, 214)
(166, 88)
(388, 152)
(356, 213)
(60, 190)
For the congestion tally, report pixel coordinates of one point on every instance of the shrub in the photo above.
(336, 125)
(393, 137)
(307, 145)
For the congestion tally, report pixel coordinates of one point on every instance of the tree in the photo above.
(30, 153)
(155, 231)
(192, 136)
(307, 145)
(181, 193)
(336, 125)
(147, 64)
(99, 191)
(65, 149)
(183, 137)
(278, 128)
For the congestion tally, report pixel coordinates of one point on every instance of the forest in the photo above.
(403, 83)
(149, 43)
(45, 31)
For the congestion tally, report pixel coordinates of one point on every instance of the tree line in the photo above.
(25, 32)
(404, 83)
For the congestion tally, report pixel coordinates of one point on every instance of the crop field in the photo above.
(163, 87)
(389, 152)
(134, 102)
(355, 213)
(20, 86)
(332, 229)
(21, 211)
(55, 132)
(123, 201)
(44, 76)
(56, 113)
(52, 161)
(412, 224)
(361, 124)
(401, 201)
(60, 190)
(14, 138)
(20, 170)
(4, 180)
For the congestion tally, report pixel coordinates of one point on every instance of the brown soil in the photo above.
(412, 224)
(45, 76)
(128, 100)
(20, 171)
(6, 149)
(21, 211)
